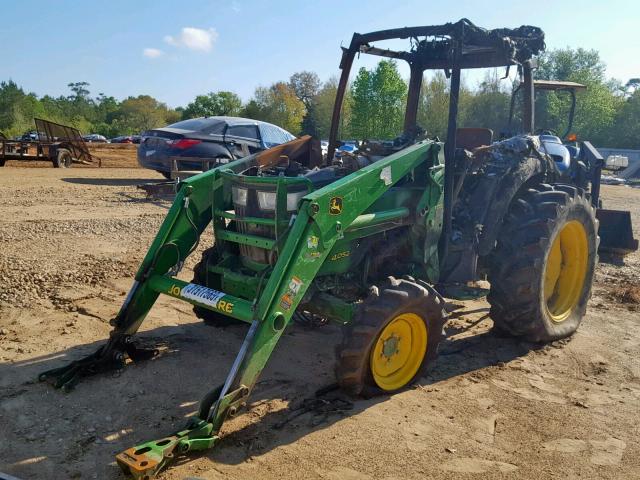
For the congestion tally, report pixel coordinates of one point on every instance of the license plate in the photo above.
(203, 295)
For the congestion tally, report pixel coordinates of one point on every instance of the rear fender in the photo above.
(496, 194)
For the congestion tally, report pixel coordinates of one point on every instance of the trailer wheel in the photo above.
(542, 268)
(202, 277)
(393, 339)
(63, 159)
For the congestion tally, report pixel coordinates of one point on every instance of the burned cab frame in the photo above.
(451, 47)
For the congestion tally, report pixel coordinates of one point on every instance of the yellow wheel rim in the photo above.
(399, 351)
(566, 270)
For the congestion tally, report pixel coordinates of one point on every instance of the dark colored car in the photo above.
(94, 138)
(123, 139)
(221, 138)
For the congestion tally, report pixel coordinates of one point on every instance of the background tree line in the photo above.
(607, 113)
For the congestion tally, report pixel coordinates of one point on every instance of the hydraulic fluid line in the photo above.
(234, 368)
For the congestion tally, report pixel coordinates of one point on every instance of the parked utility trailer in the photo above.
(60, 144)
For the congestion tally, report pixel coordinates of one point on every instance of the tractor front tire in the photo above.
(393, 339)
(542, 268)
(201, 276)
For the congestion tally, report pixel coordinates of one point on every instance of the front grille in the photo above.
(253, 209)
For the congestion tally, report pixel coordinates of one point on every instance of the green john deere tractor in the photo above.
(370, 240)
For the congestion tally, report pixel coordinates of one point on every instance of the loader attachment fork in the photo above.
(111, 356)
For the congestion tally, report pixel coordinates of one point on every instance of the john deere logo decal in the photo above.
(335, 206)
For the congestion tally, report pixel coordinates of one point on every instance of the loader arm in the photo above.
(324, 214)
(176, 239)
(178, 236)
(322, 218)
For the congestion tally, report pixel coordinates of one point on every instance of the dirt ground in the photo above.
(70, 242)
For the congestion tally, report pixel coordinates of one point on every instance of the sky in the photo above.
(175, 50)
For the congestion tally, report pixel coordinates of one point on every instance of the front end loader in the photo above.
(367, 241)
(281, 241)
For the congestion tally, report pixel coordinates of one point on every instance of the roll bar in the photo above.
(451, 47)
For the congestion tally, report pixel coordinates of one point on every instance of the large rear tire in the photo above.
(201, 276)
(542, 268)
(393, 340)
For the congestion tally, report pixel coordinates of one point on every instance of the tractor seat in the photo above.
(472, 138)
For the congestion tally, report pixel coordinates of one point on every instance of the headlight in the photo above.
(293, 199)
(239, 196)
(267, 200)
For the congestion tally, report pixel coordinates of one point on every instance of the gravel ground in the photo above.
(70, 242)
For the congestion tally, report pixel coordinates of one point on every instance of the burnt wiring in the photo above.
(319, 406)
